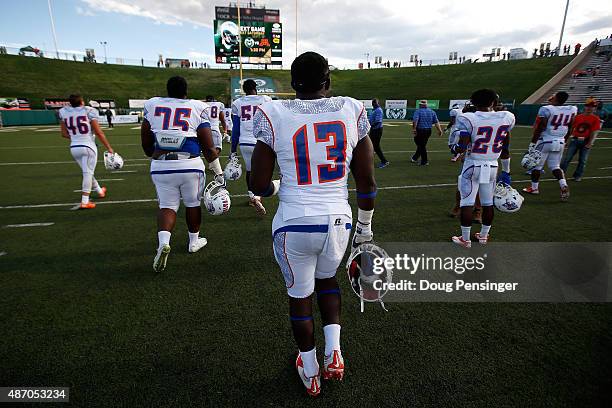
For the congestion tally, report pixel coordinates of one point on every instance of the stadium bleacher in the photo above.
(592, 79)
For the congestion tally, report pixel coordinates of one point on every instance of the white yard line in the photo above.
(58, 146)
(34, 224)
(2, 253)
(125, 171)
(72, 162)
(148, 200)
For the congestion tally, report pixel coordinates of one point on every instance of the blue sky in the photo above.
(393, 29)
(80, 26)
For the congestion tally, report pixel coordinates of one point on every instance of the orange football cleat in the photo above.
(103, 193)
(90, 205)
(312, 384)
(333, 366)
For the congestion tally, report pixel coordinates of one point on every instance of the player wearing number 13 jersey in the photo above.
(80, 124)
(316, 141)
(552, 126)
(487, 134)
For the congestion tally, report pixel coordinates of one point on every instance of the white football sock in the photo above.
(562, 183)
(332, 338)
(251, 195)
(193, 237)
(309, 358)
(484, 230)
(465, 232)
(85, 199)
(535, 184)
(87, 181)
(505, 165)
(163, 238)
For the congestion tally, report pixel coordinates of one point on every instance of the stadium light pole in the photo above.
(53, 28)
(239, 42)
(562, 29)
(104, 44)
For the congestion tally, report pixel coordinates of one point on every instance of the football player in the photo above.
(80, 124)
(453, 113)
(552, 127)
(173, 133)
(243, 110)
(487, 133)
(316, 142)
(216, 116)
(227, 112)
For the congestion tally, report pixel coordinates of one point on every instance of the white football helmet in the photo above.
(112, 161)
(218, 202)
(362, 274)
(233, 169)
(531, 159)
(507, 199)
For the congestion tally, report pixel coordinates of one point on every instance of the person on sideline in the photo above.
(584, 132)
(422, 121)
(376, 131)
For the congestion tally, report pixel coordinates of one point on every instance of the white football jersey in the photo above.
(452, 137)
(228, 118)
(175, 122)
(214, 113)
(78, 122)
(455, 112)
(313, 141)
(245, 108)
(488, 132)
(558, 120)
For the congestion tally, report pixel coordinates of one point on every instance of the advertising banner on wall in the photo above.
(431, 103)
(460, 103)
(14, 103)
(264, 85)
(396, 109)
(136, 103)
(125, 119)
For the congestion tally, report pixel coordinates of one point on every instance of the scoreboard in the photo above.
(260, 35)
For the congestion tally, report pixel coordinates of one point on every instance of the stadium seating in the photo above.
(581, 83)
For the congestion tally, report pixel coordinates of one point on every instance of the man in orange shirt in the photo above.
(583, 135)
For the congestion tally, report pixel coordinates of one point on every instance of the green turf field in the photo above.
(81, 306)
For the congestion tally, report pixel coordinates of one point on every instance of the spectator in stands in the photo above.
(585, 128)
(422, 121)
(596, 70)
(577, 48)
(376, 131)
(109, 118)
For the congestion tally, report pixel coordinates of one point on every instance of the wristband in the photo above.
(215, 167)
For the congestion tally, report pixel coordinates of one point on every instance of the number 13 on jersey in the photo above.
(333, 133)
